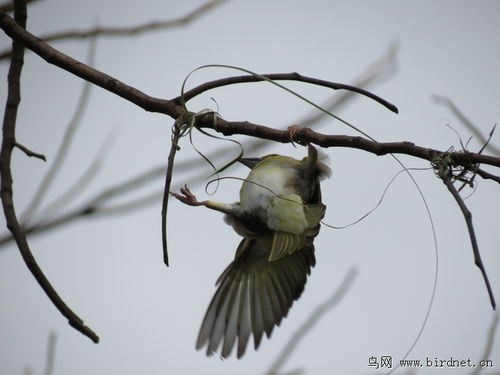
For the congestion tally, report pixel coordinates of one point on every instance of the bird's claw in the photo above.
(187, 197)
(293, 130)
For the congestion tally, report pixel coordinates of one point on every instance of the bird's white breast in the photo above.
(269, 195)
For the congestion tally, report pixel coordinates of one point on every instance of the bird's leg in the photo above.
(187, 197)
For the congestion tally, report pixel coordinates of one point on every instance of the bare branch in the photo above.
(487, 175)
(475, 247)
(174, 110)
(8, 142)
(125, 30)
(30, 153)
(281, 77)
(306, 135)
(174, 146)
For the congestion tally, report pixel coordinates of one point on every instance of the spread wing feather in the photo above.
(253, 296)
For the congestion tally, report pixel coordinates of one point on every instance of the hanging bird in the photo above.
(278, 216)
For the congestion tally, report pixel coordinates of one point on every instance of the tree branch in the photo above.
(281, 77)
(487, 175)
(8, 143)
(306, 135)
(30, 153)
(174, 147)
(468, 219)
(174, 110)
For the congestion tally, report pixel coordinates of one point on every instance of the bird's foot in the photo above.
(187, 197)
(293, 130)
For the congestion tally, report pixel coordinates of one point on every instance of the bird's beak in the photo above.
(250, 162)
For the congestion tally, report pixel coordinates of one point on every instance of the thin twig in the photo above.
(174, 146)
(475, 247)
(30, 153)
(124, 31)
(61, 153)
(312, 320)
(8, 142)
(487, 175)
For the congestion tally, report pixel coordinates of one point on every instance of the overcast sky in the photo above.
(110, 269)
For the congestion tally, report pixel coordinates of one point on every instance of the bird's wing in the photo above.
(285, 243)
(253, 296)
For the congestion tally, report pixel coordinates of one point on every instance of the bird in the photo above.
(278, 216)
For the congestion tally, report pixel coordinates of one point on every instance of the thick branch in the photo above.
(306, 135)
(8, 143)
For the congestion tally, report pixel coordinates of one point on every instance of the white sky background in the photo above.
(110, 270)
